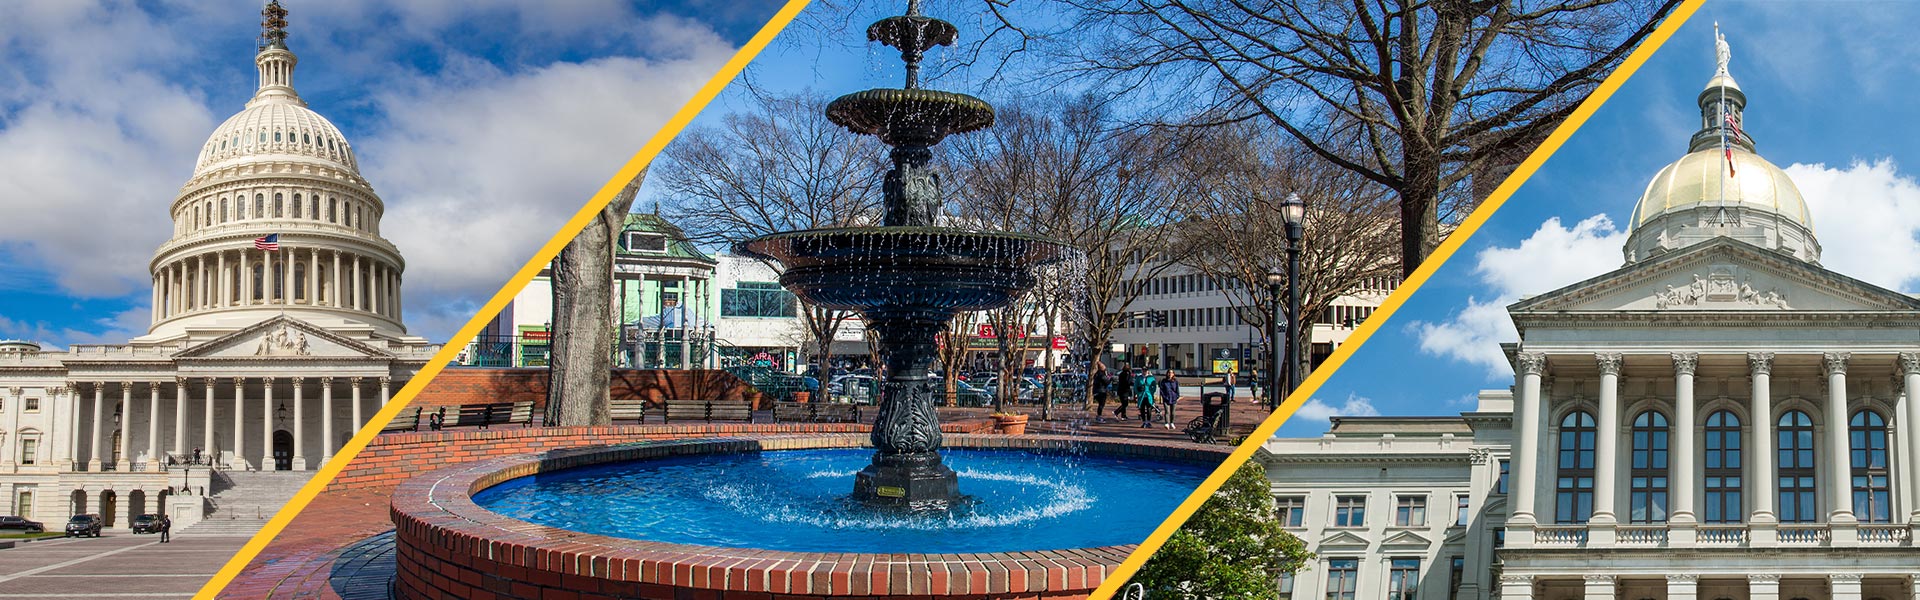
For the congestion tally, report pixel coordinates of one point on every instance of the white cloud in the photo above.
(1553, 257)
(103, 106)
(1320, 412)
(113, 329)
(1867, 218)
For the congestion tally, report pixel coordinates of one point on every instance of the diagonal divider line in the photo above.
(451, 349)
(1119, 576)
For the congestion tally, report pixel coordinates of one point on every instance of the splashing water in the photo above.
(795, 500)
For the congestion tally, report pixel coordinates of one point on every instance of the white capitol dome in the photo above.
(276, 168)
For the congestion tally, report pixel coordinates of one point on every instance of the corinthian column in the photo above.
(207, 425)
(266, 424)
(1910, 369)
(299, 431)
(1529, 365)
(326, 420)
(124, 462)
(1839, 467)
(1760, 367)
(240, 420)
(93, 437)
(180, 416)
(153, 426)
(1607, 446)
(1684, 477)
(354, 383)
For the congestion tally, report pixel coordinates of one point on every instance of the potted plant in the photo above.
(1010, 423)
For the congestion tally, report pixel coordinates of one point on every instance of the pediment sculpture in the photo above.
(280, 343)
(1717, 288)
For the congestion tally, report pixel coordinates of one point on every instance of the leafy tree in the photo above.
(1233, 547)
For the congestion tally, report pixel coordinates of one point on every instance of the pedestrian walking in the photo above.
(166, 529)
(1125, 387)
(1146, 390)
(1170, 394)
(1099, 381)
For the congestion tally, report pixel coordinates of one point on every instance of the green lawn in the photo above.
(23, 536)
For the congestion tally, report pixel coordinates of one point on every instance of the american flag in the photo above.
(269, 242)
(1733, 125)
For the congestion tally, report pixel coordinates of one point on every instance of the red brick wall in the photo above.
(461, 386)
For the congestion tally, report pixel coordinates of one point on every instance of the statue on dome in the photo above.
(1721, 51)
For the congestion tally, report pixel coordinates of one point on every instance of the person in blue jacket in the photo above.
(1147, 388)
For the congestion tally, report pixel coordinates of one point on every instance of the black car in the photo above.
(146, 524)
(83, 525)
(21, 523)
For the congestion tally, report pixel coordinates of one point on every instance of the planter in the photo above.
(802, 397)
(1010, 424)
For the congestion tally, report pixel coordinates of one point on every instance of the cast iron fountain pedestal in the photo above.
(908, 278)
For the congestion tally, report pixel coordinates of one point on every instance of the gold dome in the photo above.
(1696, 179)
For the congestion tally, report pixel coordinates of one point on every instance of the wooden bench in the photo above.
(487, 415)
(815, 412)
(701, 410)
(402, 423)
(631, 409)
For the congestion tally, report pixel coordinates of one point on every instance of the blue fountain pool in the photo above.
(797, 500)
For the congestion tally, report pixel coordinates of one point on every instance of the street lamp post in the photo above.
(1276, 374)
(1295, 213)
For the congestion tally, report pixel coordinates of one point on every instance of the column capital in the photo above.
(297, 380)
(1844, 577)
(239, 381)
(212, 381)
(1599, 578)
(1910, 363)
(385, 380)
(1516, 579)
(126, 387)
(326, 381)
(1761, 363)
(1835, 362)
(1609, 362)
(1684, 363)
(182, 380)
(1525, 363)
(1763, 578)
(13, 391)
(1682, 578)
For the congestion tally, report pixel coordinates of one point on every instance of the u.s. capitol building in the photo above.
(258, 359)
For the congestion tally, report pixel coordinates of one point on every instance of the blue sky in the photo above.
(1829, 88)
(482, 124)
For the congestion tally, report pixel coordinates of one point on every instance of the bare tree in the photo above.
(782, 167)
(580, 372)
(1237, 236)
(1435, 89)
(1068, 170)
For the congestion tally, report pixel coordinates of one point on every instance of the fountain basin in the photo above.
(450, 546)
(922, 268)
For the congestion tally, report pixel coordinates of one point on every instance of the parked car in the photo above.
(21, 524)
(1029, 389)
(967, 394)
(862, 389)
(146, 524)
(84, 525)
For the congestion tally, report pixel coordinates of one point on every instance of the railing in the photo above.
(1878, 534)
(1721, 535)
(1563, 536)
(1642, 535)
(1804, 535)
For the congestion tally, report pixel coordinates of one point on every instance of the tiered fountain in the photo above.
(666, 511)
(910, 276)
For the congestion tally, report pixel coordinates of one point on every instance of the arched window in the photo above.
(240, 207)
(321, 290)
(225, 211)
(306, 139)
(313, 207)
(333, 210)
(299, 281)
(1797, 475)
(279, 281)
(1648, 498)
(259, 281)
(295, 210)
(196, 217)
(279, 206)
(1574, 501)
(1867, 438)
(1723, 468)
(234, 274)
(276, 136)
(210, 217)
(259, 205)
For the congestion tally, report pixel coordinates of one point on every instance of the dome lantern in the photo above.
(1722, 187)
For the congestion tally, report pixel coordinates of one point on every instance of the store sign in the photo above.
(1059, 343)
(1225, 366)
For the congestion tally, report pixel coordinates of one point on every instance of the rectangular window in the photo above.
(1461, 504)
(23, 504)
(1402, 578)
(1343, 578)
(1499, 537)
(1410, 511)
(757, 299)
(31, 405)
(1291, 510)
(1456, 571)
(1500, 487)
(641, 241)
(1350, 511)
(29, 451)
(1286, 587)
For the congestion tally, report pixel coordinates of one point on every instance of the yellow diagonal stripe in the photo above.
(1261, 434)
(520, 279)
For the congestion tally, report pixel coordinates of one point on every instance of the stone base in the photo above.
(907, 481)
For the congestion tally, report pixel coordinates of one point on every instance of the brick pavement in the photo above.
(113, 567)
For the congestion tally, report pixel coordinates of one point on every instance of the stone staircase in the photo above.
(244, 506)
